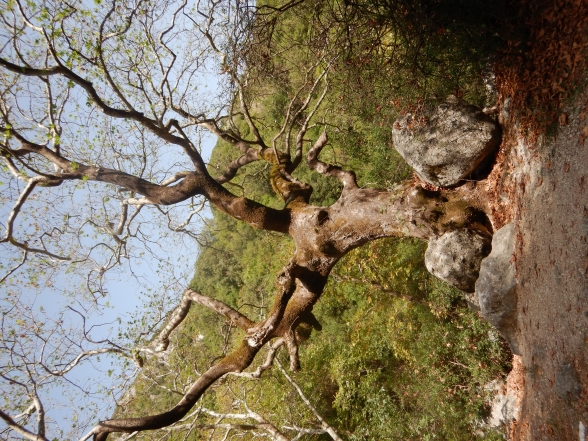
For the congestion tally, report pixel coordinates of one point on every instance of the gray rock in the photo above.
(473, 301)
(455, 257)
(567, 383)
(504, 406)
(447, 144)
(496, 286)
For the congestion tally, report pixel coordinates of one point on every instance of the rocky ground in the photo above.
(541, 185)
(552, 263)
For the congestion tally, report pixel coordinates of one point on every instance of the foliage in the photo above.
(407, 364)
(442, 44)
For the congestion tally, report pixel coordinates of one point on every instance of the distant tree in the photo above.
(102, 110)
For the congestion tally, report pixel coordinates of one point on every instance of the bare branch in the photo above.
(347, 177)
(178, 316)
(15, 268)
(292, 346)
(286, 287)
(175, 178)
(328, 428)
(83, 355)
(152, 125)
(263, 423)
(40, 414)
(304, 128)
(8, 237)
(251, 155)
(288, 119)
(20, 429)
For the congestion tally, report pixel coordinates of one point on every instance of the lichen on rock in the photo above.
(446, 145)
(455, 257)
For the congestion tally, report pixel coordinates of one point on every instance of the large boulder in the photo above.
(455, 257)
(446, 145)
(496, 286)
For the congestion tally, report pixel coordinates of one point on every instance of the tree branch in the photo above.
(240, 359)
(178, 316)
(81, 356)
(152, 125)
(20, 429)
(192, 184)
(251, 155)
(286, 287)
(304, 128)
(347, 177)
(263, 423)
(271, 355)
(8, 236)
(329, 429)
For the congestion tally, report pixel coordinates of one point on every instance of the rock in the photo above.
(455, 257)
(503, 408)
(506, 398)
(496, 286)
(567, 383)
(447, 144)
(473, 301)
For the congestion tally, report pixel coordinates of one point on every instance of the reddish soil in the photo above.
(541, 184)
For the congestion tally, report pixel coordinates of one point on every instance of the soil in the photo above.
(541, 183)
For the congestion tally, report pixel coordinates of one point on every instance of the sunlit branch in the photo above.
(86, 354)
(292, 346)
(178, 316)
(124, 210)
(303, 431)
(26, 20)
(347, 177)
(181, 226)
(286, 286)
(271, 355)
(175, 178)
(27, 412)
(40, 414)
(6, 156)
(263, 423)
(251, 155)
(328, 428)
(304, 128)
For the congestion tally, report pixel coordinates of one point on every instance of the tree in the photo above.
(92, 114)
